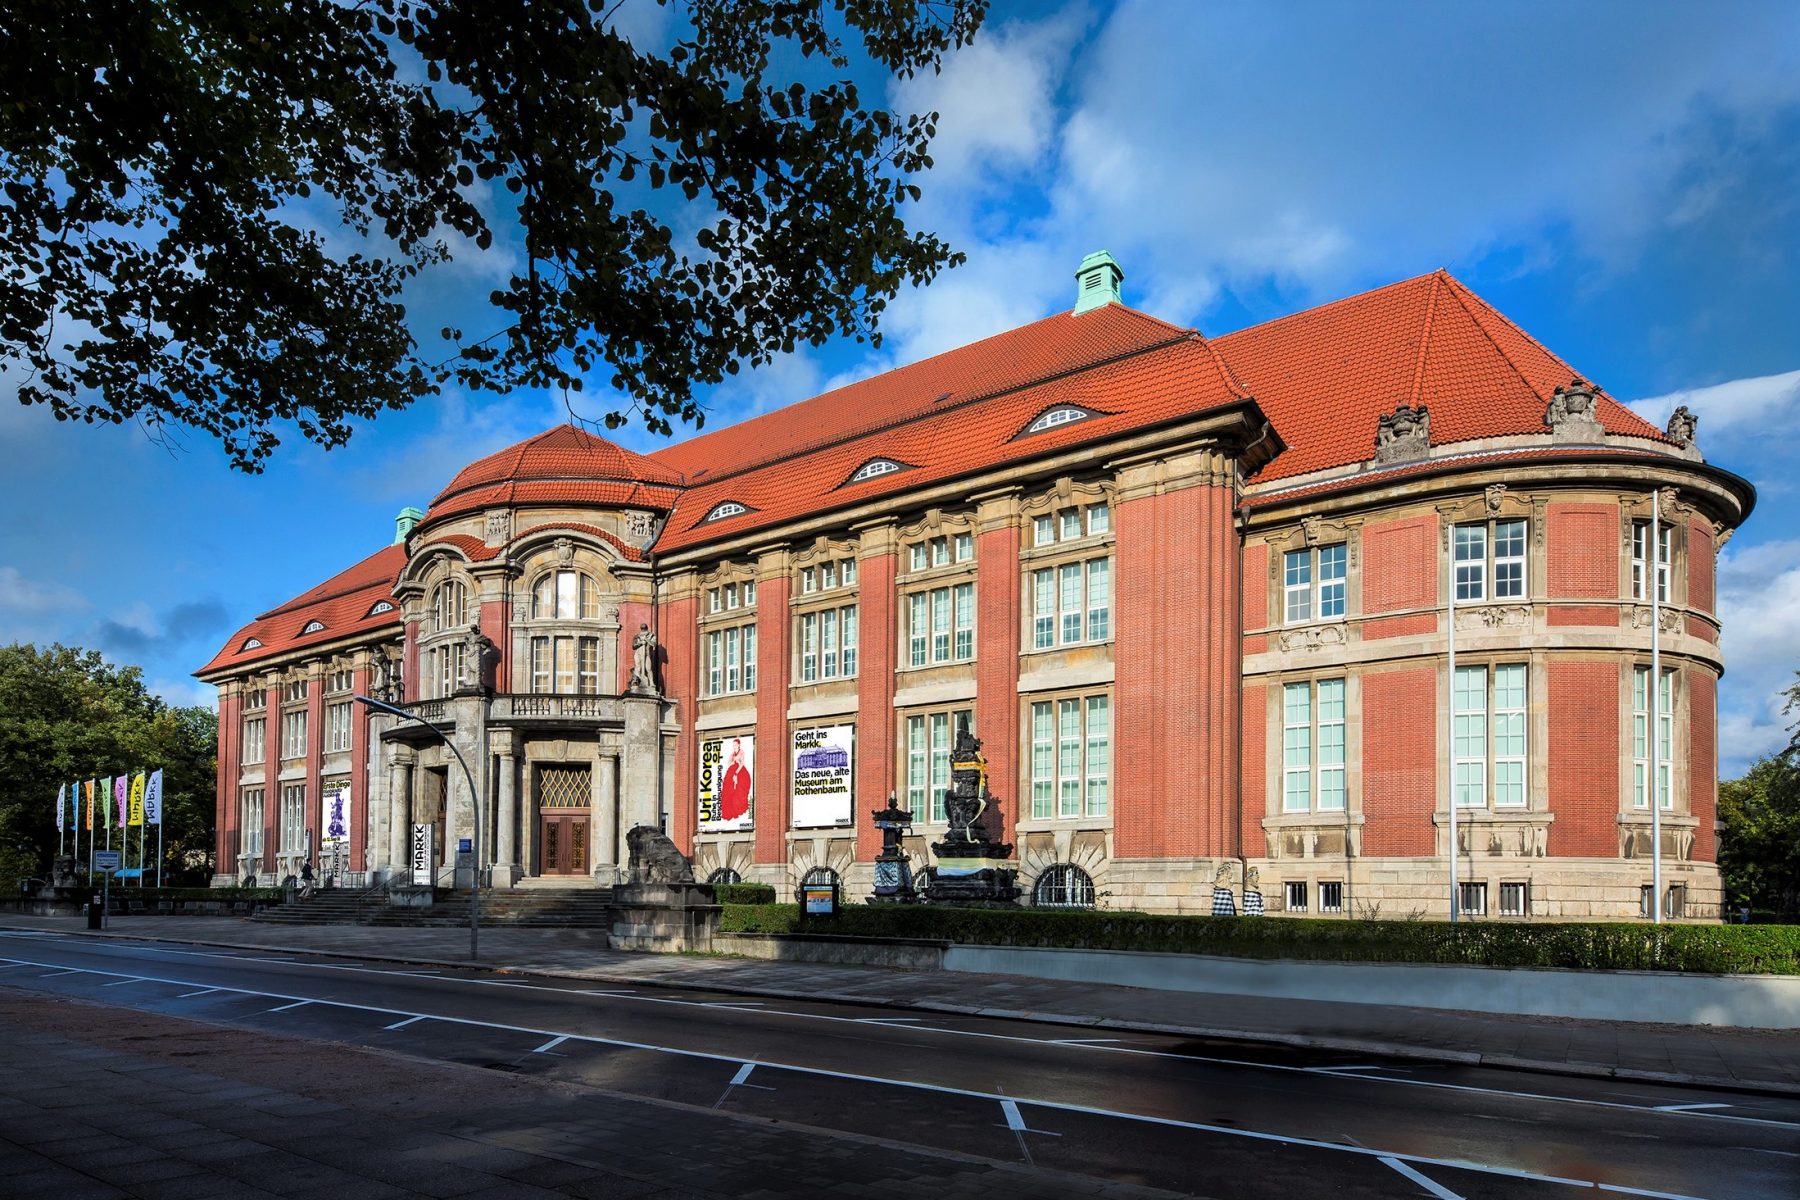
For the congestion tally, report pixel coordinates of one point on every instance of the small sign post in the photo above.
(106, 862)
(421, 856)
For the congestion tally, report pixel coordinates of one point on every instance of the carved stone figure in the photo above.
(1493, 495)
(654, 858)
(1253, 899)
(970, 868)
(1403, 435)
(481, 659)
(1224, 902)
(1682, 424)
(643, 663)
(1573, 414)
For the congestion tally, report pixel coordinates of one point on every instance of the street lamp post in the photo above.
(475, 804)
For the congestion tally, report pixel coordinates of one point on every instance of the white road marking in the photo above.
(201, 992)
(887, 1020)
(550, 1045)
(944, 1089)
(1431, 1185)
(1014, 1121)
(743, 1075)
(120, 983)
(54, 974)
(733, 1004)
(1761, 1150)
(297, 1004)
(405, 1023)
(1676, 1108)
(1082, 1041)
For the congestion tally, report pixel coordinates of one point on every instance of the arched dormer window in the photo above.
(449, 606)
(381, 606)
(874, 469)
(1051, 418)
(251, 644)
(565, 596)
(312, 627)
(723, 509)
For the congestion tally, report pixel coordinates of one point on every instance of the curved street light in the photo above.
(475, 805)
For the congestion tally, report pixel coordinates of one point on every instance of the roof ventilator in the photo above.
(1097, 282)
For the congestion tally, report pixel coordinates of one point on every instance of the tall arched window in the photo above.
(724, 875)
(449, 606)
(565, 596)
(1063, 885)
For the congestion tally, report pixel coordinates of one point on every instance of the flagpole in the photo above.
(1451, 766)
(1655, 705)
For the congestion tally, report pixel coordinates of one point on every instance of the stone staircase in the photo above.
(537, 907)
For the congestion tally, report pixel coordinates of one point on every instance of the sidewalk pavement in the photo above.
(1760, 1060)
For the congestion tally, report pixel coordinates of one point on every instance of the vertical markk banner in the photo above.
(153, 798)
(120, 787)
(60, 822)
(90, 803)
(136, 805)
(727, 783)
(822, 787)
(334, 817)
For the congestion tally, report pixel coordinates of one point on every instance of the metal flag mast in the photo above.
(1656, 569)
(1450, 769)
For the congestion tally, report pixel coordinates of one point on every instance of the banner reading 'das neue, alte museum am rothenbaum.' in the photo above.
(823, 756)
(727, 783)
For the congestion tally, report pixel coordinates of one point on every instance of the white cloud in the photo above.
(22, 597)
(184, 693)
(1759, 606)
(1761, 407)
(463, 431)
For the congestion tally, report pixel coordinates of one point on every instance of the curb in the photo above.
(1270, 1038)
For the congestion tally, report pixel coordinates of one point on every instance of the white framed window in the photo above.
(379, 607)
(1071, 757)
(1063, 885)
(942, 551)
(930, 736)
(566, 665)
(940, 625)
(256, 748)
(1071, 524)
(1062, 414)
(726, 508)
(293, 691)
(875, 468)
(828, 642)
(731, 660)
(293, 734)
(256, 699)
(1640, 739)
(1515, 899)
(1640, 560)
(250, 822)
(341, 680)
(1313, 582)
(1488, 735)
(1488, 560)
(1071, 603)
(444, 665)
(449, 606)
(565, 596)
(1312, 746)
(1295, 895)
(293, 818)
(313, 627)
(1331, 896)
(337, 727)
(1471, 899)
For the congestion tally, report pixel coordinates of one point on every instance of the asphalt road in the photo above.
(1216, 1118)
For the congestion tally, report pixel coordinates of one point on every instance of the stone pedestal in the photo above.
(667, 918)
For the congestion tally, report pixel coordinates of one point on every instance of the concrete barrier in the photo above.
(1663, 997)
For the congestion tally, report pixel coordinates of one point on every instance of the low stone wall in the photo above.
(899, 953)
(123, 904)
(1662, 997)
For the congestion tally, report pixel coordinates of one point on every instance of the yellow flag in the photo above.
(136, 809)
(90, 804)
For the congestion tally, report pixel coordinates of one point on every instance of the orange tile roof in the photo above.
(341, 604)
(1325, 376)
(542, 468)
(1001, 363)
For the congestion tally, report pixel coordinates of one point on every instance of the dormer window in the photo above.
(874, 468)
(252, 644)
(312, 627)
(723, 509)
(381, 606)
(1062, 414)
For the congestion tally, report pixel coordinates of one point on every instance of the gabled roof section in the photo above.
(343, 604)
(1325, 376)
(1004, 362)
(1166, 381)
(561, 465)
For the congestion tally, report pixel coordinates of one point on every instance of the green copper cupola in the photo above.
(404, 522)
(1097, 282)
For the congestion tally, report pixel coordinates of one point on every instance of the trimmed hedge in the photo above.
(743, 893)
(1703, 949)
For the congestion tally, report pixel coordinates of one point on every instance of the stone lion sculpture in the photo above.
(654, 858)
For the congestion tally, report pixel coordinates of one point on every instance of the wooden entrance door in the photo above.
(563, 843)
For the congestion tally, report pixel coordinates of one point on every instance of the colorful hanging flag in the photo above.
(120, 785)
(90, 804)
(136, 805)
(153, 799)
(60, 789)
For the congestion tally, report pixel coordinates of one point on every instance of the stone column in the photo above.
(506, 844)
(464, 807)
(603, 819)
(638, 803)
(400, 802)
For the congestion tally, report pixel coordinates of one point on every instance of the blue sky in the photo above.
(1622, 179)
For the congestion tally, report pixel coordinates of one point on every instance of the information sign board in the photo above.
(421, 855)
(107, 860)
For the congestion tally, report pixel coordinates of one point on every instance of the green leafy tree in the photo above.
(167, 166)
(65, 715)
(1759, 850)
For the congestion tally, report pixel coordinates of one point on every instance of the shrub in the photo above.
(743, 893)
(1704, 949)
